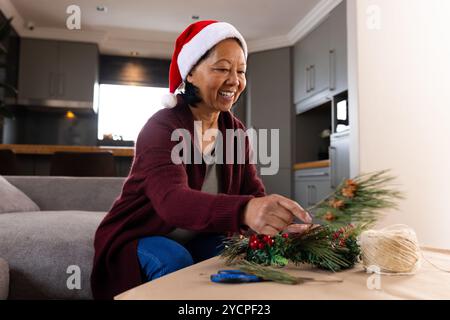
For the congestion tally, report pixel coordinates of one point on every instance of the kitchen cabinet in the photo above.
(312, 185)
(78, 70)
(338, 49)
(320, 62)
(312, 63)
(57, 73)
(339, 157)
(38, 68)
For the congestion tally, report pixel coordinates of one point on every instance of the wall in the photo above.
(269, 103)
(399, 94)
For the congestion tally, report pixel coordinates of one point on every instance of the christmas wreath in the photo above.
(331, 245)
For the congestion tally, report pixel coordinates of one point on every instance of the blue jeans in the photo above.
(159, 255)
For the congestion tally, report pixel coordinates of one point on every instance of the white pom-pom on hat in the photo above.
(169, 100)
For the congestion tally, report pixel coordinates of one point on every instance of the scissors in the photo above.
(234, 276)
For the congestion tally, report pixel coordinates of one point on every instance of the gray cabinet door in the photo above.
(339, 157)
(78, 71)
(301, 192)
(300, 72)
(320, 62)
(38, 69)
(312, 186)
(338, 48)
(311, 63)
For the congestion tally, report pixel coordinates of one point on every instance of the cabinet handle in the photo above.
(313, 77)
(332, 152)
(307, 78)
(332, 70)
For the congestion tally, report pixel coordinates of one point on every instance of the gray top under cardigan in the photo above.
(211, 184)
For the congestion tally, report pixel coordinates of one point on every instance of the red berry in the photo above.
(271, 242)
(266, 239)
(261, 245)
(253, 245)
(285, 235)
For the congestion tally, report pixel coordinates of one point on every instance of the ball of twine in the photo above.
(392, 250)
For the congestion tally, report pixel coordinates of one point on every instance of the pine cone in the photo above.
(336, 204)
(329, 216)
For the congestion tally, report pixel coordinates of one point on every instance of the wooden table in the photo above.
(193, 283)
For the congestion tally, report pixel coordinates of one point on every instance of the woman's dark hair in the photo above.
(191, 94)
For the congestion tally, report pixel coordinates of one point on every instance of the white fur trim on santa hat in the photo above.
(207, 38)
(169, 100)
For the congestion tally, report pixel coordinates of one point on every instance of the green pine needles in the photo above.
(354, 206)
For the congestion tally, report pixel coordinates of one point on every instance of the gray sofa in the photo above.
(50, 252)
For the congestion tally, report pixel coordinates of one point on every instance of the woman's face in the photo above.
(220, 78)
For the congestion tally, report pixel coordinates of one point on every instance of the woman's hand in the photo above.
(271, 214)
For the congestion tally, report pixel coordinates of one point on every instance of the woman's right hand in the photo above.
(271, 214)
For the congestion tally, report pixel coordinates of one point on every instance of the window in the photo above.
(123, 110)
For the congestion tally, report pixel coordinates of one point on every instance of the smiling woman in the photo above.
(170, 215)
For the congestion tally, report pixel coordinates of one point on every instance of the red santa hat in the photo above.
(191, 45)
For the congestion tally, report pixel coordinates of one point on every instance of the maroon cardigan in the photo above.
(158, 196)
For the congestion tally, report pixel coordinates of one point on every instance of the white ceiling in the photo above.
(151, 26)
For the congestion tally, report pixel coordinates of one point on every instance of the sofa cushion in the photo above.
(42, 247)
(4, 279)
(14, 200)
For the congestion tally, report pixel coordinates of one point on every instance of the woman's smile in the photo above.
(227, 96)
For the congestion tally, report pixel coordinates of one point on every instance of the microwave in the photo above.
(340, 116)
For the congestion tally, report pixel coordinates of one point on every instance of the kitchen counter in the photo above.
(36, 149)
(312, 164)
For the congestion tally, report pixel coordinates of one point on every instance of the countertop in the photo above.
(312, 164)
(40, 149)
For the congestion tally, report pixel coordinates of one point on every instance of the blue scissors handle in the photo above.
(234, 276)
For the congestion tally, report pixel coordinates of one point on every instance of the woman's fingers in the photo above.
(295, 209)
(276, 223)
(283, 214)
(297, 228)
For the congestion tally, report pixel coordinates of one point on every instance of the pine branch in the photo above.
(235, 247)
(271, 274)
(358, 200)
(267, 273)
